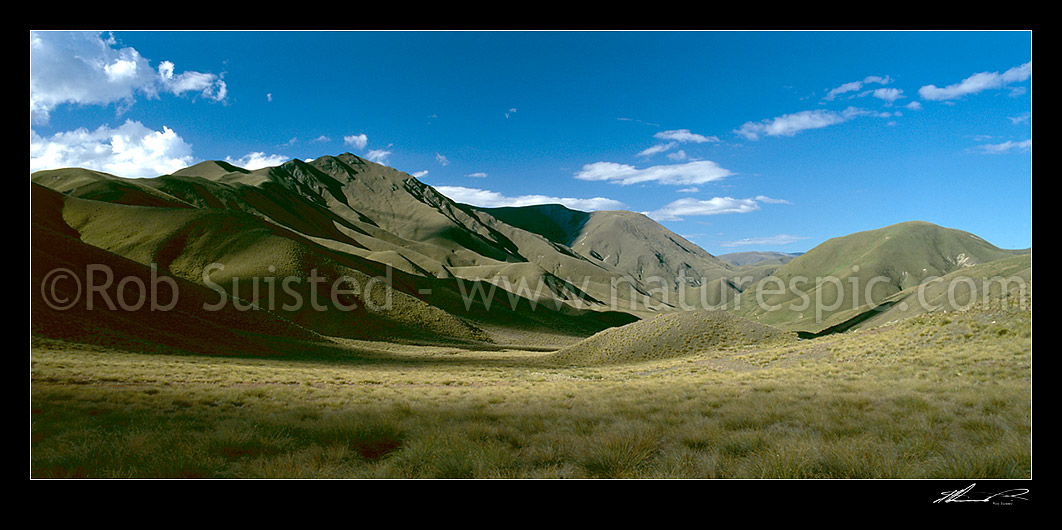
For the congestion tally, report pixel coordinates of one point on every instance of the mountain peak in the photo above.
(210, 169)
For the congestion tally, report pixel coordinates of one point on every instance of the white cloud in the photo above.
(658, 148)
(768, 200)
(493, 199)
(441, 160)
(690, 173)
(790, 124)
(1006, 147)
(378, 155)
(888, 94)
(692, 189)
(1021, 118)
(685, 136)
(676, 210)
(131, 150)
(209, 85)
(90, 69)
(677, 156)
(357, 141)
(420, 174)
(855, 86)
(977, 83)
(479, 175)
(780, 239)
(257, 160)
(675, 137)
(847, 87)
(878, 79)
(914, 105)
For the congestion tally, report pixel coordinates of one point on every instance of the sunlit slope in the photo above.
(845, 276)
(1001, 284)
(671, 335)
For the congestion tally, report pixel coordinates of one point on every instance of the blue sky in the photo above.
(736, 140)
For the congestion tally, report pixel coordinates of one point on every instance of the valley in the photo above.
(337, 318)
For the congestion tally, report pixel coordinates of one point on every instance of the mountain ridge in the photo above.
(463, 272)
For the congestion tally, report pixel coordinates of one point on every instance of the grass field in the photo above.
(933, 396)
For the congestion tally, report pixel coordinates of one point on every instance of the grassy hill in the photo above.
(847, 276)
(671, 335)
(64, 268)
(338, 222)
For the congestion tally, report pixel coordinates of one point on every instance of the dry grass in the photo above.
(935, 396)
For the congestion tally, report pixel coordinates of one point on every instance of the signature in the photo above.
(960, 495)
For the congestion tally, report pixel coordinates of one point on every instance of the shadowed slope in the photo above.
(671, 270)
(247, 231)
(64, 269)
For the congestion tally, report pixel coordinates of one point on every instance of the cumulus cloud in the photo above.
(978, 82)
(780, 239)
(888, 94)
(690, 173)
(131, 150)
(493, 199)
(1006, 147)
(791, 124)
(257, 160)
(357, 141)
(90, 68)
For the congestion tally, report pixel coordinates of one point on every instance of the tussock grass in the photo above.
(934, 396)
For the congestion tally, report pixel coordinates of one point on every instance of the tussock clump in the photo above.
(671, 335)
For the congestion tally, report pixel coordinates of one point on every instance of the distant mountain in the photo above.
(656, 257)
(847, 276)
(742, 259)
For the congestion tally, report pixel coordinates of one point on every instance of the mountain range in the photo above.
(390, 258)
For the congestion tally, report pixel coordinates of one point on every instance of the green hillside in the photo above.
(338, 222)
(846, 276)
(670, 335)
